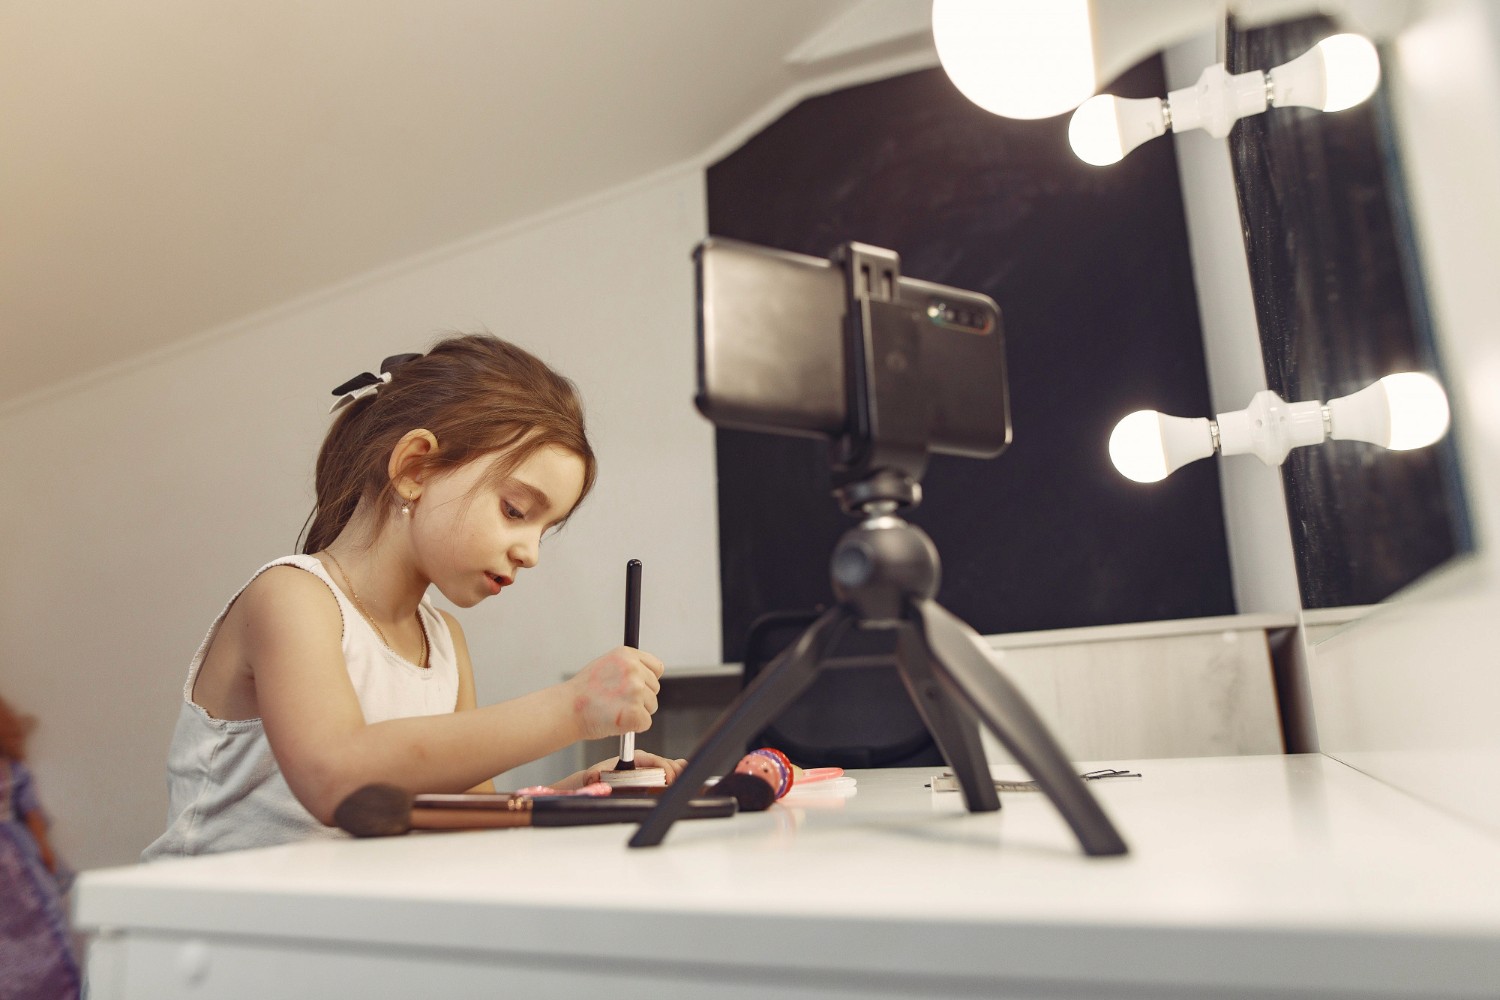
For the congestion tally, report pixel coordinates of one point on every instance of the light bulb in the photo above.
(1400, 412)
(1017, 58)
(1337, 73)
(1105, 128)
(1148, 446)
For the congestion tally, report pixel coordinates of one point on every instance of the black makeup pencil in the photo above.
(633, 640)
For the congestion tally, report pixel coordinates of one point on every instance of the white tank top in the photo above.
(224, 789)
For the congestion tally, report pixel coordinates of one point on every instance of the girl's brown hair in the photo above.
(14, 728)
(477, 394)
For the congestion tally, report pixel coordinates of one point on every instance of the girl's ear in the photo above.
(413, 446)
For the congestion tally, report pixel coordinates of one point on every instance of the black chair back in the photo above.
(856, 715)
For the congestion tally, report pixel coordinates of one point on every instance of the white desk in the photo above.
(1248, 877)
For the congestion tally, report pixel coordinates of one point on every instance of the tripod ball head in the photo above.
(881, 564)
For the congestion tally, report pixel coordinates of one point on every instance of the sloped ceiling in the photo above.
(169, 166)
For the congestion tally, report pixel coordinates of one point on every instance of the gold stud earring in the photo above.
(406, 506)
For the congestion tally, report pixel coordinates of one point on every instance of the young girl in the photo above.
(332, 669)
(36, 958)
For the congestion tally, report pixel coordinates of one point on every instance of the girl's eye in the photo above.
(512, 513)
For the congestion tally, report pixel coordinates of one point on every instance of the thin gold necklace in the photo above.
(371, 618)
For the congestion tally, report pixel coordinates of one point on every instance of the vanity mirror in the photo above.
(1333, 218)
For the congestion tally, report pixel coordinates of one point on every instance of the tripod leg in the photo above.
(955, 730)
(971, 676)
(779, 684)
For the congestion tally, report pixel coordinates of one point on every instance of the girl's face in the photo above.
(472, 538)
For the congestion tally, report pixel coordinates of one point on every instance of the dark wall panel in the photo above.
(1091, 270)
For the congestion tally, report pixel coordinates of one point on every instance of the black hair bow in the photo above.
(365, 384)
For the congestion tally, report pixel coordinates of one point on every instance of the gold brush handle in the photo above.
(428, 818)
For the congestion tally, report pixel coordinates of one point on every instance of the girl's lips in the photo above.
(497, 582)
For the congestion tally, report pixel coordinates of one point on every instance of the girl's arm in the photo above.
(467, 700)
(326, 750)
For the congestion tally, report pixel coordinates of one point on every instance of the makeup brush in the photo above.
(750, 793)
(388, 811)
(754, 795)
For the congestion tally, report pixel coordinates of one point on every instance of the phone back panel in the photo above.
(771, 349)
(770, 357)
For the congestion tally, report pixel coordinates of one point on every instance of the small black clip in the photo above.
(365, 384)
(357, 382)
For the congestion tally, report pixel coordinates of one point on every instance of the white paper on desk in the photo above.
(836, 788)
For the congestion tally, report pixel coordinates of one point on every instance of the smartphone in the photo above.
(774, 346)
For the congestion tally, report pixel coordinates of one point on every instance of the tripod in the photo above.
(924, 370)
(885, 574)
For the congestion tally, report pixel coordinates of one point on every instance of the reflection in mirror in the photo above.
(1339, 301)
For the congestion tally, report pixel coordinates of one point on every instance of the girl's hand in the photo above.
(642, 759)
(616, 693)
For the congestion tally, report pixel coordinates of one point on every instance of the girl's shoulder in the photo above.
(290, 588)
(300, 572)
(285, 576)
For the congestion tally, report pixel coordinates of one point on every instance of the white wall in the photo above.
(138, 501)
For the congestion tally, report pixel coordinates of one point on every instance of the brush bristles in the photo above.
(751, 793)
(375, 811)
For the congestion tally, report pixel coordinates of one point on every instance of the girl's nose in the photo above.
(526, 551)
